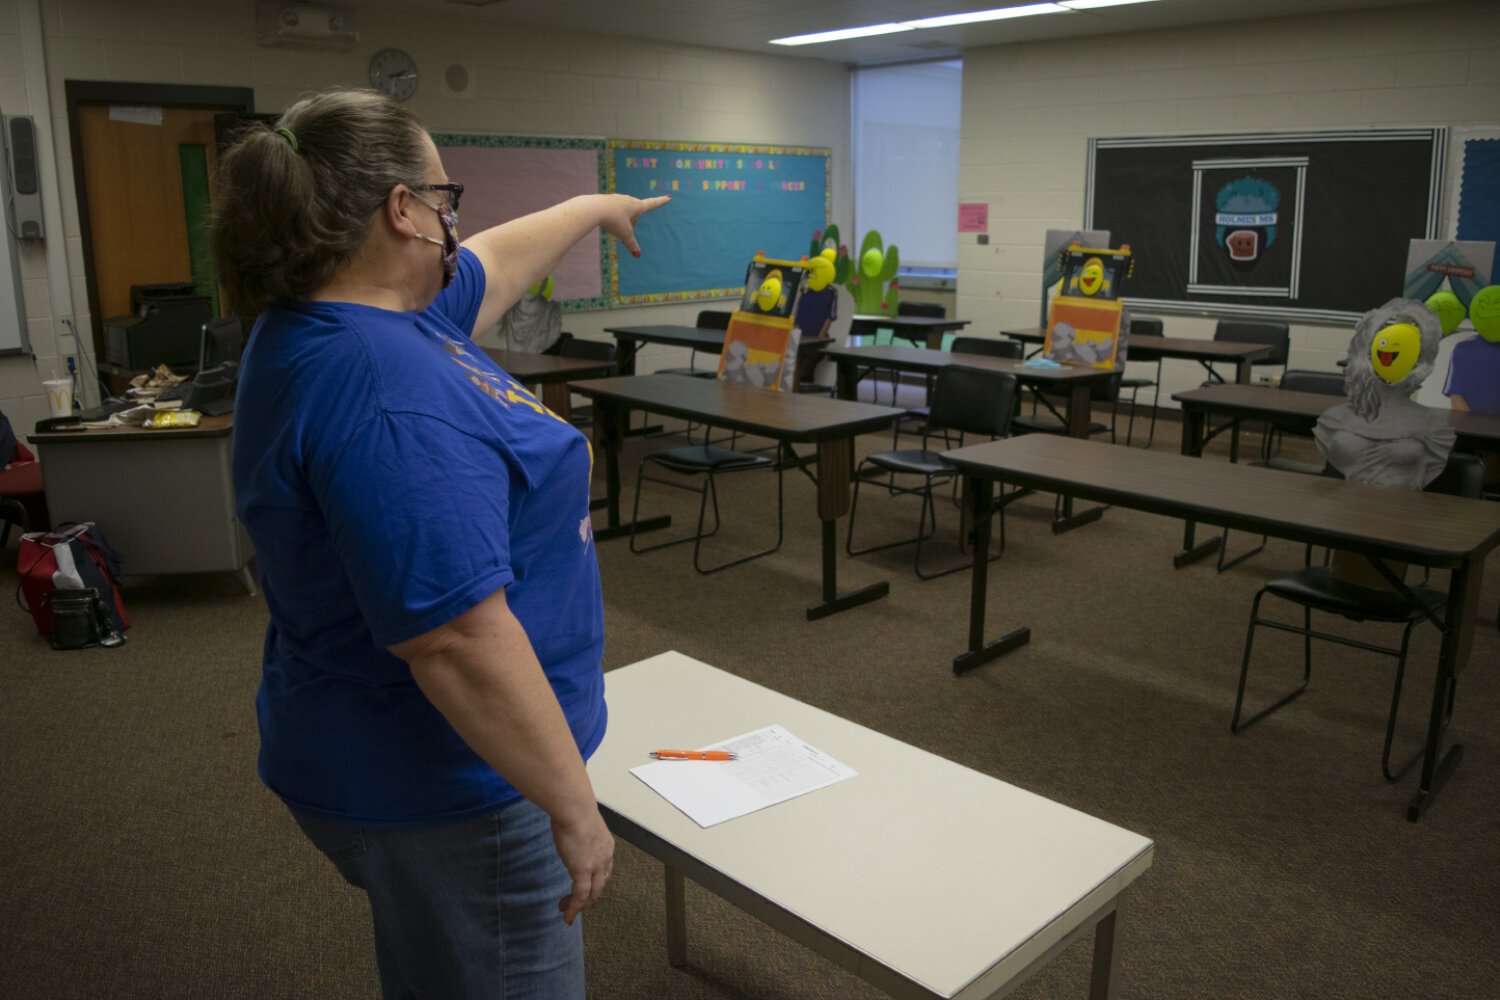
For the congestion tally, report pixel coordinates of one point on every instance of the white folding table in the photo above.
(923, 877)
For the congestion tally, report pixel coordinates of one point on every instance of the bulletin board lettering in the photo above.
(729, 202)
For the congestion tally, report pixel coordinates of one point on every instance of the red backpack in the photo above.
(69, 560)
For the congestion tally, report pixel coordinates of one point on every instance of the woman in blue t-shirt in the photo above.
(432, 678)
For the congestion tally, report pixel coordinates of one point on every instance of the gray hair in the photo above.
(1361, 384)
(295, 201)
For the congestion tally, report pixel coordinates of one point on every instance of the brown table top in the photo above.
(784, 416)
(218, 426)
(1271, 403)
(695, 337)
(921, 359)
(923, 323)
(1426, 528)
(523, 366)
(1151, 348)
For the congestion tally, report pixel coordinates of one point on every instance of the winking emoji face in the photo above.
(1394, 351)
(1092, 277)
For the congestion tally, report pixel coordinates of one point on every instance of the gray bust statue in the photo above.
(1381, 435)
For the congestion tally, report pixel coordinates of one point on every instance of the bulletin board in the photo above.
(1476, 185)
(729, 202)
(508, 176)
(1309, 226)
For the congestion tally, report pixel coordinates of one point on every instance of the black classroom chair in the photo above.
(1298, 380)
(1053, 421)
(1252, 332)
(965, 400)
(589, 350)
(708, 319)
(1141, 326)
(710, 461)
(989, 347)
(1316, 588)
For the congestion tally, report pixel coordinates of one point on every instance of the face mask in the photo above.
(449, 242)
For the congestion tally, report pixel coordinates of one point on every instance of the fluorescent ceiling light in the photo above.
(973, 17)
(1091, 4)
(842, 33)
(949, 20)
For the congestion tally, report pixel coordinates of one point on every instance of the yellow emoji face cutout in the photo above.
(769, 292)
(1091, 279)
(1394, 351)
(819, 273)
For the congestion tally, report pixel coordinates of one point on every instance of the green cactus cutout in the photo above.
(872, 279)
(842, 265)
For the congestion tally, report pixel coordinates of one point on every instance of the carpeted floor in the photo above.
(142, 858)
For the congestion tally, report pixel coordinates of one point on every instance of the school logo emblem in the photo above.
(1245, 219)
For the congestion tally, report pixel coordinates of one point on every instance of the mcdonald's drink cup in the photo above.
(59, 396)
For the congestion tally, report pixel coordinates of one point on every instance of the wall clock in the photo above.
(393, 73)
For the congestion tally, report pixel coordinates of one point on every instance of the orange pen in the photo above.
(694, 755)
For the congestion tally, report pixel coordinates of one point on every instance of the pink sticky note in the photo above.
(973, 216)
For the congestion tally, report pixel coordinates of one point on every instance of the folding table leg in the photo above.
(1106, 957)
(676, 919)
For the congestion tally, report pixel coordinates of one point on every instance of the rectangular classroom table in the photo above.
(1299, 411)
(786, 418)
(868, 872)
(551, 373)
(1295, 411)
(630, 339)
(928, 330)
(1205, 352)
(1074, 381)
(1383, 525)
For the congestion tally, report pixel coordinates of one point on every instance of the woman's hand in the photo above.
(621, 211)
(588, 852)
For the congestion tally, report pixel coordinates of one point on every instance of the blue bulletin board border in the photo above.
(809, 167)
(441, 139)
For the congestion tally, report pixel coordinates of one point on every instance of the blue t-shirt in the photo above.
(392, 477)
(1474, 374)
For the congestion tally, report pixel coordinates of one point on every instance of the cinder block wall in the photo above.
(523, 81)
(1030, 109)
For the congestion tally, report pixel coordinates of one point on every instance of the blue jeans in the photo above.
(466, 910)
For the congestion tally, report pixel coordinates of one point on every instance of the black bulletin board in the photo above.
(1309, 226)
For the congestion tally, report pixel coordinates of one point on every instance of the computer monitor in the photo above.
(223, 341)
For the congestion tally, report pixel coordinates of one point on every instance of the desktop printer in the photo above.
(165, 327)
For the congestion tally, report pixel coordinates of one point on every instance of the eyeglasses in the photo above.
(453, 191)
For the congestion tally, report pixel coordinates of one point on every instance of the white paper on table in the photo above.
(773, 766)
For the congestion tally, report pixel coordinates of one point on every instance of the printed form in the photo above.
(773, 766)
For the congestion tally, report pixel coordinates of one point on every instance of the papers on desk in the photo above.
(773, 766)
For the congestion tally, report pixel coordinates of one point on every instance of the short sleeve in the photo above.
(418, 513)
(459, 303)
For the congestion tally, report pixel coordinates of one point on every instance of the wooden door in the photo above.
(137, 164)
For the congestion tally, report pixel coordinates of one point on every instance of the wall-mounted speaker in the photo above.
(23, 176)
